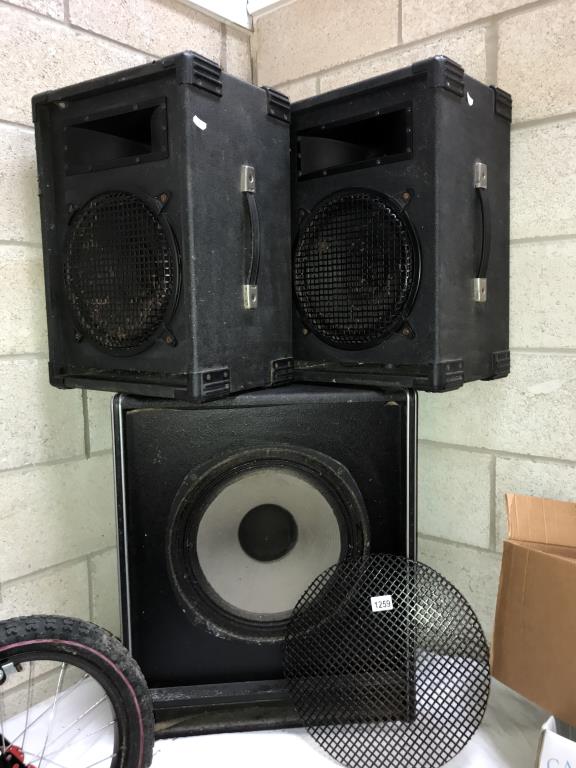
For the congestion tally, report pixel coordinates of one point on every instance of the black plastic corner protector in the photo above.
(442, 72)
(446, 376)
(500, 363)
(502, 103)
(200, 72)
(282, 370)
(214, 383)
(278, 104)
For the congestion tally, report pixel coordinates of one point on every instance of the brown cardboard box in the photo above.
(534, 646)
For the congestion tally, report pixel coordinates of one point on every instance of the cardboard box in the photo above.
(534, 644)
(557, 747)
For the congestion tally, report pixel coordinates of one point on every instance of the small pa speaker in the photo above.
(164, 195)
(228, 511)
(400, 213)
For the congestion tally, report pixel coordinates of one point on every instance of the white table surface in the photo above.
(507, 738)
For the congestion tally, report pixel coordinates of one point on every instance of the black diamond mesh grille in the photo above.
(400, 687)
(120, 271)
(355, 268)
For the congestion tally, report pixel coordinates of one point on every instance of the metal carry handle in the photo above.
(480, 282)
(248, 188)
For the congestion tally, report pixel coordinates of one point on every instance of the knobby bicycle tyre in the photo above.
(55, 646)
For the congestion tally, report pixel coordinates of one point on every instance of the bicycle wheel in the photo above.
(71, 696)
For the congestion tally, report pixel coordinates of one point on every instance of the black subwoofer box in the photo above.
(400, 219)
(228, 510)
(164, 196)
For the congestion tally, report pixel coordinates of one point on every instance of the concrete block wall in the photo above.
(57, 517)
(516, 434)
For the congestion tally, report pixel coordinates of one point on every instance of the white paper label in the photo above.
(381, 603)
(199, 123)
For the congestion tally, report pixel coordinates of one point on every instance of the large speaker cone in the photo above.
(249, 533)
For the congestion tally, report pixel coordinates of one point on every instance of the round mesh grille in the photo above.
(355, 268)
(120, 271)
(387, 664)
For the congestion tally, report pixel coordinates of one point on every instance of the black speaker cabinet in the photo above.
(165, 220)
(400, 211)
(228, 510)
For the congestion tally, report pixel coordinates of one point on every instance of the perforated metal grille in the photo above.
(120, 271)
(355, 268)
(406, 686)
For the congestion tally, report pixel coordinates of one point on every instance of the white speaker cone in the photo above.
(252, 588)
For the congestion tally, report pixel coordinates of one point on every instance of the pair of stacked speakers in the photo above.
(266, 287)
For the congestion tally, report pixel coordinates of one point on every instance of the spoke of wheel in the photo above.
(28, 703)
(54, 703)
(88, 736)
(114, 754)
(62, 697)
(83, 715)
(35, 756)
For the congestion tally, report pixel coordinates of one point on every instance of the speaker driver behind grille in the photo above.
(356, 268)
(248, 534)
(121, 272)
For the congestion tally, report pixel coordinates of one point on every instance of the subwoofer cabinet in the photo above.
(164, 195)
(228, 510)
(400, 218)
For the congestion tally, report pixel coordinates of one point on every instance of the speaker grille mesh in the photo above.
(120, 271)
(355, 268)
(387, 664)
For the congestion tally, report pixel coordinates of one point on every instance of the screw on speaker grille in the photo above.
(121, 271)
(356, 268)
(387, 664)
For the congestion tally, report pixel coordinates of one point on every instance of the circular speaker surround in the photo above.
(241, 576)
(387, 664)
(121, 271)
(356, 268)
